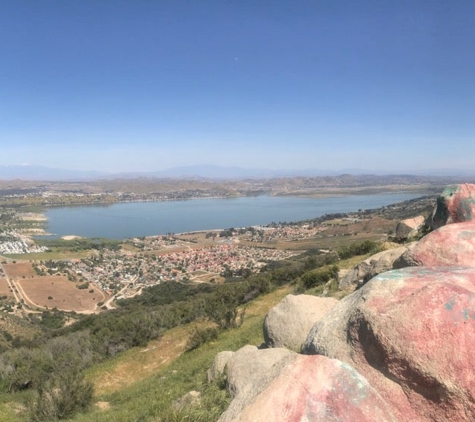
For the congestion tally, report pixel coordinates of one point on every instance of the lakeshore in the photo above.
(136, 219)
(110, 269)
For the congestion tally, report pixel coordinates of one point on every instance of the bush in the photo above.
(52, 319)
(23, 368)
(61, 396)
(360, 248)
(201, 336)
(54, 372)
(319, 277)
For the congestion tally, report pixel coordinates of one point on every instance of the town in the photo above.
(39, 275)
(205, 257)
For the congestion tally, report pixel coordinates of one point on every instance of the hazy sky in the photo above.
(148, 85)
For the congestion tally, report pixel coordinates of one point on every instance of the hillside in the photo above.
(116, 365)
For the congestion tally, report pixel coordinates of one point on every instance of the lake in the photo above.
(135, 219)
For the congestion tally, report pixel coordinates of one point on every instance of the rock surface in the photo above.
(288, 324)
(248, 372)
(455, 205)
(406, 259)
(411, 334)
(216, 370)
(317, 389)
(370, 267)
(409, 228)
(449, 245)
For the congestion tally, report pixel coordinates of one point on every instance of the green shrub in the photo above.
(23, 368)
(319, 277)
(60, 396)
(201, 336)
(359, 248)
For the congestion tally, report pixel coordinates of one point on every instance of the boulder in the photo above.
(347, 278)
(288, 324)
(370, 267)
(216, 370)
(450, 245)
(406, 259)
(455, 205)
(249, 371)
(315, 389)
(409, 228)
(411, 334)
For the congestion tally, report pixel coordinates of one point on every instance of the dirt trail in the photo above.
(145, 362)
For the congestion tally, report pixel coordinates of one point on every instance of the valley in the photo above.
(149, 312)
(88, 276)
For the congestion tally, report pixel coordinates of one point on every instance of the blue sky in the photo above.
(148, 85)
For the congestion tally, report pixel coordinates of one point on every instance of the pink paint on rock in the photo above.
(455, 205)
(316, 388)
(411, 334)
(449, 245)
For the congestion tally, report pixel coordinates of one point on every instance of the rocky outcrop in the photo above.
(455, 205)
(288, 324)
(406, 259)
(409, 228)
(370, 267)
(410, 333)
(450, 245)
(316, 388)
(216, 370)
(398, 349)
(248, 372)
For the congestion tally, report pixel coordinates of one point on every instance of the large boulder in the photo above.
(411, 334)
(317, 389)
(455, 205)
(288, 323)
(406, 259)
(409, 227)
(249, 371)
(370, 267)
(216, 370)
(449, 245)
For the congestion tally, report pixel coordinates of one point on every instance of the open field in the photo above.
(53, 255)
(57, 292)
(19, 270)
(4, 289)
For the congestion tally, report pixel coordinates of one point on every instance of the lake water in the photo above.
(134, 219)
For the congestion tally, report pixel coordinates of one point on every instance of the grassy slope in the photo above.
(142, 383)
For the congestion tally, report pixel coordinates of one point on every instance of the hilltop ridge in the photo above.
(35, 172)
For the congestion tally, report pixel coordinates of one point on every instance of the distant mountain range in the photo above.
(35, 172)
(41, 173)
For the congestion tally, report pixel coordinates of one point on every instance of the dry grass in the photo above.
(18, 270)
(4, 289)
(261, 305)
(59, 292)
(138, 363)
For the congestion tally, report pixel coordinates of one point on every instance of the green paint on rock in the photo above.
(465, 210)
(450, 304)
(449, 191)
